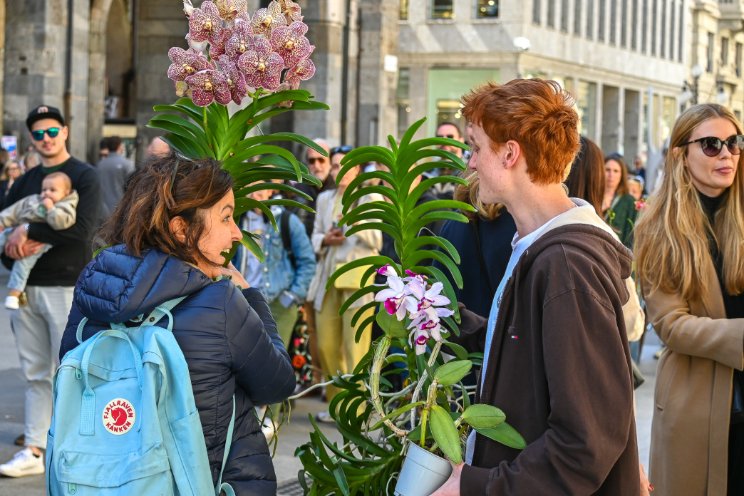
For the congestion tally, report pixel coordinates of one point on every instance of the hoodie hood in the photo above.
(116, 286)
(583, 228)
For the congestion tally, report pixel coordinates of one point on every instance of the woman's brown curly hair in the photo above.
(166, 187)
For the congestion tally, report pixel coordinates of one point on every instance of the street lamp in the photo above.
(690, 90)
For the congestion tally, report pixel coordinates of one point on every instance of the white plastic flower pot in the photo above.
(423, 472)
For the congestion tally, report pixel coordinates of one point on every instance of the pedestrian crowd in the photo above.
(567, 262)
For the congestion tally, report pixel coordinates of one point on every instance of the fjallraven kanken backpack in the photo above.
(124, 419)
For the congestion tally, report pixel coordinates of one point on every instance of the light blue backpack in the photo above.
(124, 420)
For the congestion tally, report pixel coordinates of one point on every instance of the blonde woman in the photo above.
(689, 248)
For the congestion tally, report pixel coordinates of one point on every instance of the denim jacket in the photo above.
(278, 274)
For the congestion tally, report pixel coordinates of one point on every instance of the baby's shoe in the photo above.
(12, 302)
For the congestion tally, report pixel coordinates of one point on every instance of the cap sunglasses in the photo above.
(340, 149)
(712, 146)
(450, 136)
(38, 134)
(312, 160)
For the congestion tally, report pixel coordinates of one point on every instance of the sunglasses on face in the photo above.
(450, 136)
(38, 135)
(340, 149)
(712, 146)
(320, 160)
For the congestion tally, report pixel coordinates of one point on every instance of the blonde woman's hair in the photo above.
(671, 236)
(469, 194)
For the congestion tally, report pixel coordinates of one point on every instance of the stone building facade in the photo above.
(383, 64)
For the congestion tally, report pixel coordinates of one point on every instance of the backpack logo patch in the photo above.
(118, 416)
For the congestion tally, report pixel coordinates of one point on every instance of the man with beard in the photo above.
(40, 321)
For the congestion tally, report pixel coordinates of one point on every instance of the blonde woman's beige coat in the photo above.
(692, 401)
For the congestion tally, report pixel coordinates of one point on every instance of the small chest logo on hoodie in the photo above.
(118, 416)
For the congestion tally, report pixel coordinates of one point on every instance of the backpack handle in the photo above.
(88, 406)
(162, 310)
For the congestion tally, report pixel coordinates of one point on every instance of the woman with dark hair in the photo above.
(586, 179)
(618, 206)
(168, 238)
(689, 250)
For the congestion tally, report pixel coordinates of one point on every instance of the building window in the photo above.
(644, 27)
(663, 51)
(624, 24)
(634, 26)
(564, 16)
(654, 22)
(602, 16)
(586, 103)
(551, 13)
(590, 19)
(737, 59)
(710, 51)
(672, 29)
(613, 22)
(487, 9)
(403, 10)
(724, 51)
(442, 9)
(680, 31)
(536, 11)
(578, 7)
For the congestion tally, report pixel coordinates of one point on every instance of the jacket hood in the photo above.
(583, 228)
(116, 286)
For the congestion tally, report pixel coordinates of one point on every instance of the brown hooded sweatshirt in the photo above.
(559, 368)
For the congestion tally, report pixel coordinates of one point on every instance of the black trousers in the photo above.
(736, 460)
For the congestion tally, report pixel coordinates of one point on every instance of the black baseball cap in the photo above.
(44, 112)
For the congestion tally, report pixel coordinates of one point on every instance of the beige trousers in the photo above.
(337, 350)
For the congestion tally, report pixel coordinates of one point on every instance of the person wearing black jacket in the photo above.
(38, 325)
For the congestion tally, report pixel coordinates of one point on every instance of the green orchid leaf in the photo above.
(391, 325)
(482, 416)
(459, 351)
(363, 327)
(504, 434)
(445, 434)
(452, 372)
(360, 311)
(186, 147)
(417, 243)
(249, 242)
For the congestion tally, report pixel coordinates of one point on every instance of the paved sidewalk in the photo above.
(291, 435)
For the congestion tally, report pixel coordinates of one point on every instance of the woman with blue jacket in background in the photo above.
(168, 236)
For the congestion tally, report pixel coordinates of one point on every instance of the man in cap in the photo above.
(39, 323)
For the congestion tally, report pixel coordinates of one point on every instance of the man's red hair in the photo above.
(536, 113)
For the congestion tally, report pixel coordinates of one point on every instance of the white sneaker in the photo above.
(324, 417)
(22, 464)
(12, 302)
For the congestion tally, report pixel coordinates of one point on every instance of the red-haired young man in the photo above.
(556, 353)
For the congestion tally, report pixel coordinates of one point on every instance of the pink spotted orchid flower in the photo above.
(185, 63)
(207, 86)
(261, 66)
(205, 23)
(290, 42)
(264, 21)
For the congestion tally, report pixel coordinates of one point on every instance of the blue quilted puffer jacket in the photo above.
(228, 337)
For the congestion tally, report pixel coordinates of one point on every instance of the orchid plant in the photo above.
(257, 62)
(405, 389)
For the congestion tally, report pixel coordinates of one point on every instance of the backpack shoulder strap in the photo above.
(286, 238)
(227, 488)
